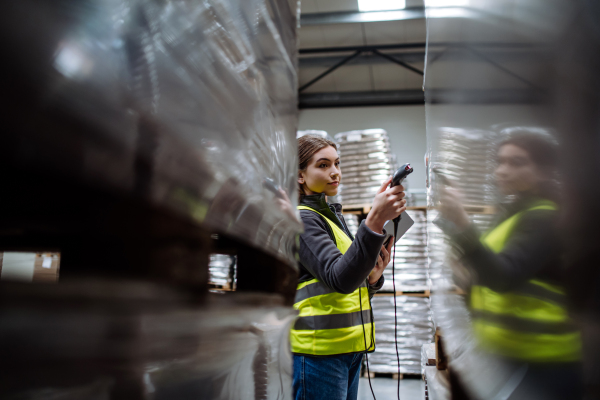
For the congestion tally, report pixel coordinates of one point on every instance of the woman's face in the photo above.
(322, 174)
(516, 172)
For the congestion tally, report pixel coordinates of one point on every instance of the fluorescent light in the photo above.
(381, 5)
(446, 3)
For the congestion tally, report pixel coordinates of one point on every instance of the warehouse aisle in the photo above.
(385, 389)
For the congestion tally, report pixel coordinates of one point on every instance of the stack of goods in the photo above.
(466, 158)
(221, 270)
(415, 197)
(352, 223)
(366, 163)
(168, 118)
(440, 275)
(410, 258)
(415, 328)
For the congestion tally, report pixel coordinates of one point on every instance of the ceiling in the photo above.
(349, 58)
(324, 25)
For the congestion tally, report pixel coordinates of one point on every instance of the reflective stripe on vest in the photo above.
(331, 322)
(530, 323)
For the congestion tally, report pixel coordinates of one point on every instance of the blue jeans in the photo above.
(331, 378)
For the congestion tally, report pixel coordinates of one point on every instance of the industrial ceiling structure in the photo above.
(349, 57)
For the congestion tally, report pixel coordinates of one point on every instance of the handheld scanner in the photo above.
(401, 174)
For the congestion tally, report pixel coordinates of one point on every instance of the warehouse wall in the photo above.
(404, 124)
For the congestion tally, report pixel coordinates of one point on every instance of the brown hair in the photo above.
(308, 145)
(540, 146)
(543, 151)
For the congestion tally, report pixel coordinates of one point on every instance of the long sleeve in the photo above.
(319, 255)
(532, 249)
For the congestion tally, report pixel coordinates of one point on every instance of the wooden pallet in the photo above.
(389, 375)
(226, 288)
(420, 293)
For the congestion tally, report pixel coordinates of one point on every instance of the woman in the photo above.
(518, 304)
(338, 274)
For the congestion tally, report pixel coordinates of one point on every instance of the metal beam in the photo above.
(364, 59)
(396, 61)
(416, 96)
(341, 49)
(361, 99)
(418, 56)
(422, 45)
(359, 17)
(330, 70)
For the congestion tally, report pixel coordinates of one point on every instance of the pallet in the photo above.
(225, 288)
(389, 375)
(417, 293)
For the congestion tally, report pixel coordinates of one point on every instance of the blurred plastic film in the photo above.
(492, 69)
(204, 93)
(139, 133)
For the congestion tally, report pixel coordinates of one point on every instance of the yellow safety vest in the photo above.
(530, 323)
(330, 322)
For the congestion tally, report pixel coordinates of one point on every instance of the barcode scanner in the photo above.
(399, 177)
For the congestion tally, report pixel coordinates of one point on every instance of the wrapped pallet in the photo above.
(410, 256)
(139, 135)
(414, 329)
(366, 162)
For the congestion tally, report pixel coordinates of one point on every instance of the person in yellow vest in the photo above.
(517, 300)
(338, 275)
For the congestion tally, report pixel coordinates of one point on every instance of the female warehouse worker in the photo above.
(517, 300)
(338, 274)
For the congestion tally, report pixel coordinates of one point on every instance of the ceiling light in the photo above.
(381, 5)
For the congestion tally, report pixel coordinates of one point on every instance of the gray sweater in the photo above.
(319, 256)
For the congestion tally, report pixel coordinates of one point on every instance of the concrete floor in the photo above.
(386, 389)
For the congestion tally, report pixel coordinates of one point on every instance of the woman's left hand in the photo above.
(382, 262)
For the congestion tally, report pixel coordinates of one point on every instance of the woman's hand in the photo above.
(387, 205)
(451, 207)
(284, 203)
(382, 262)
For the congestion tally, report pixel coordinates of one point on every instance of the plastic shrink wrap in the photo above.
(415, 328)
(366, 162)
(491, 65)
(133, 131)
(410, 256)
(187, 105)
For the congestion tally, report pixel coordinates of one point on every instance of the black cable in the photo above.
(396, 221)
(365, 336)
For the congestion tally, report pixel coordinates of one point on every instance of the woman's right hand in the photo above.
(387, 205)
